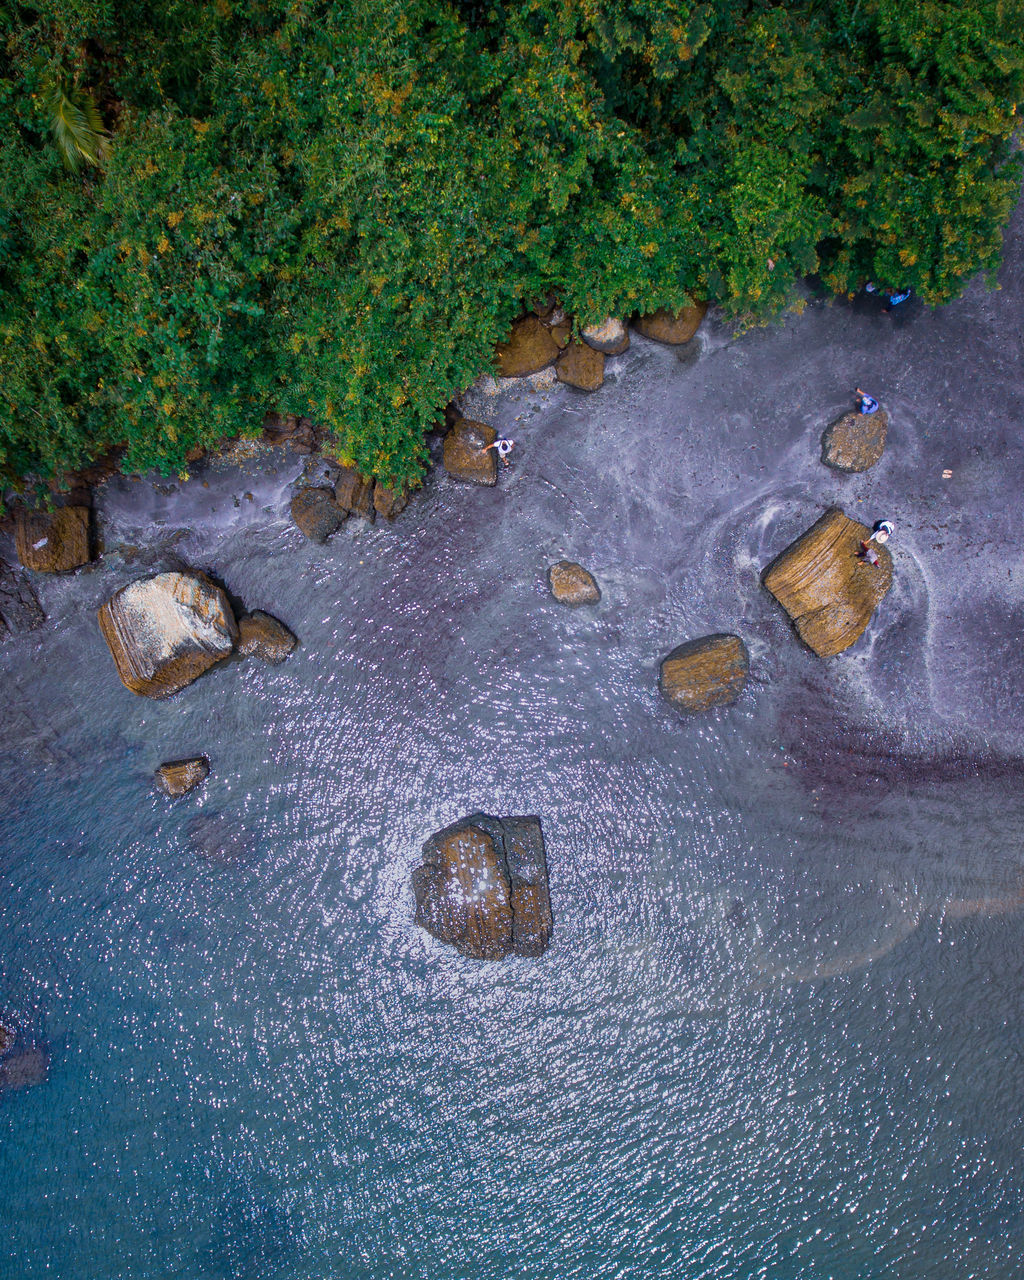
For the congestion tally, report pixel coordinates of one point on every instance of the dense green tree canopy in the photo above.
(334, 208)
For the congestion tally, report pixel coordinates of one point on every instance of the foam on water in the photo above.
(777, 1033)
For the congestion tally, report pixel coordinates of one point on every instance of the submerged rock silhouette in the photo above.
(824, 586)
(483, 887)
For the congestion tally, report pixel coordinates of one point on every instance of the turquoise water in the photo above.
(778, 1032)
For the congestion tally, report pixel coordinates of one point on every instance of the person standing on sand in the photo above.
(504, 448)
(868, 404)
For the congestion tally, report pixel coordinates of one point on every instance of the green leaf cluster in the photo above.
(336, 207)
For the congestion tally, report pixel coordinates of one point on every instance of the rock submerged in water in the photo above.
(710, 672)
(483, 887)
(262, 636)
(464, 457)
(530, 348)
(6, 1039)
(164, 632)
(317, 514)
(855, 441)
(611, 337)
(824, 586)
(53, 541)
(572, 584)
(580, 366)
(21, 1068)
(673, 327)
(19, 608)
(179, 777)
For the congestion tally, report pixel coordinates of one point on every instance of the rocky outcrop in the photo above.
(464, 456)
(571, 584)
(316, 513)
(299, 434)
(24, 1066)
(483, 887)
(531, 347)
(709, 672)
(53, 541)
(353, 494)
(178, 777)
(672, 327)
(19, 608)
(262, 636)
(165, 631)
(389, 502)
(580, 366)
(824, 586)
(610, 336)
(855, 441)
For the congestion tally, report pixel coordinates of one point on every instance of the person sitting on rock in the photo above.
(882, 532)
(504, 448)
(868, 404)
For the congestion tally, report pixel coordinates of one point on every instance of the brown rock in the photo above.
(464, 456)
(610, 336)
(561, 332)
(24, 1068)
(165, 631)
(855, 441)
(672, 327)
(53, 541)
(581, 366)
(572, 584)
(19, 608)
(289, 429)
(389, 502)
(262, 636)
(178, 777)
(704, 673)
(353, 494)
(530, 348)
(827, 590)
(483, 887)
(316, 513)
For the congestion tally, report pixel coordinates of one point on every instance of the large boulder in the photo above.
(19, 608)
(531, 346)
(261, 636)
(53, 541)
(179, 777)
(828, 591)
(672, 327)
(704, 673)
(581, 366)
(464, 456)
(353, 494)
(855, 441)
(571, 584)
(316, 513)
(164, 632)
(483, 887)
(610, 336)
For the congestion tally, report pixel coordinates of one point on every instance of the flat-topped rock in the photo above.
(611, 337)
(53, 541)
(828, 591)
(581, 366)
(483, 887)
(673, 327)
(262, 636)
(179, 777)
(572, 584)
(464, 452)
(855, 441)
(531, 346)
(164, 632)
(316, 513)
(704, 673)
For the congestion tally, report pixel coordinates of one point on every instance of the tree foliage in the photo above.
(335, 208)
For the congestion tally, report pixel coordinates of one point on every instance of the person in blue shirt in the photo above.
(867, 404)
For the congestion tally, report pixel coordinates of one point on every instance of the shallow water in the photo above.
(778, 1032)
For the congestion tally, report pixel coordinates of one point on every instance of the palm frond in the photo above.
(75, 124)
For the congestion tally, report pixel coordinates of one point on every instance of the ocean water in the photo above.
(779, 1031)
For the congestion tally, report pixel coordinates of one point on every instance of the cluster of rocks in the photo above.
(165, 631)
(320, 511)
(23, 1063)
(483, 887)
